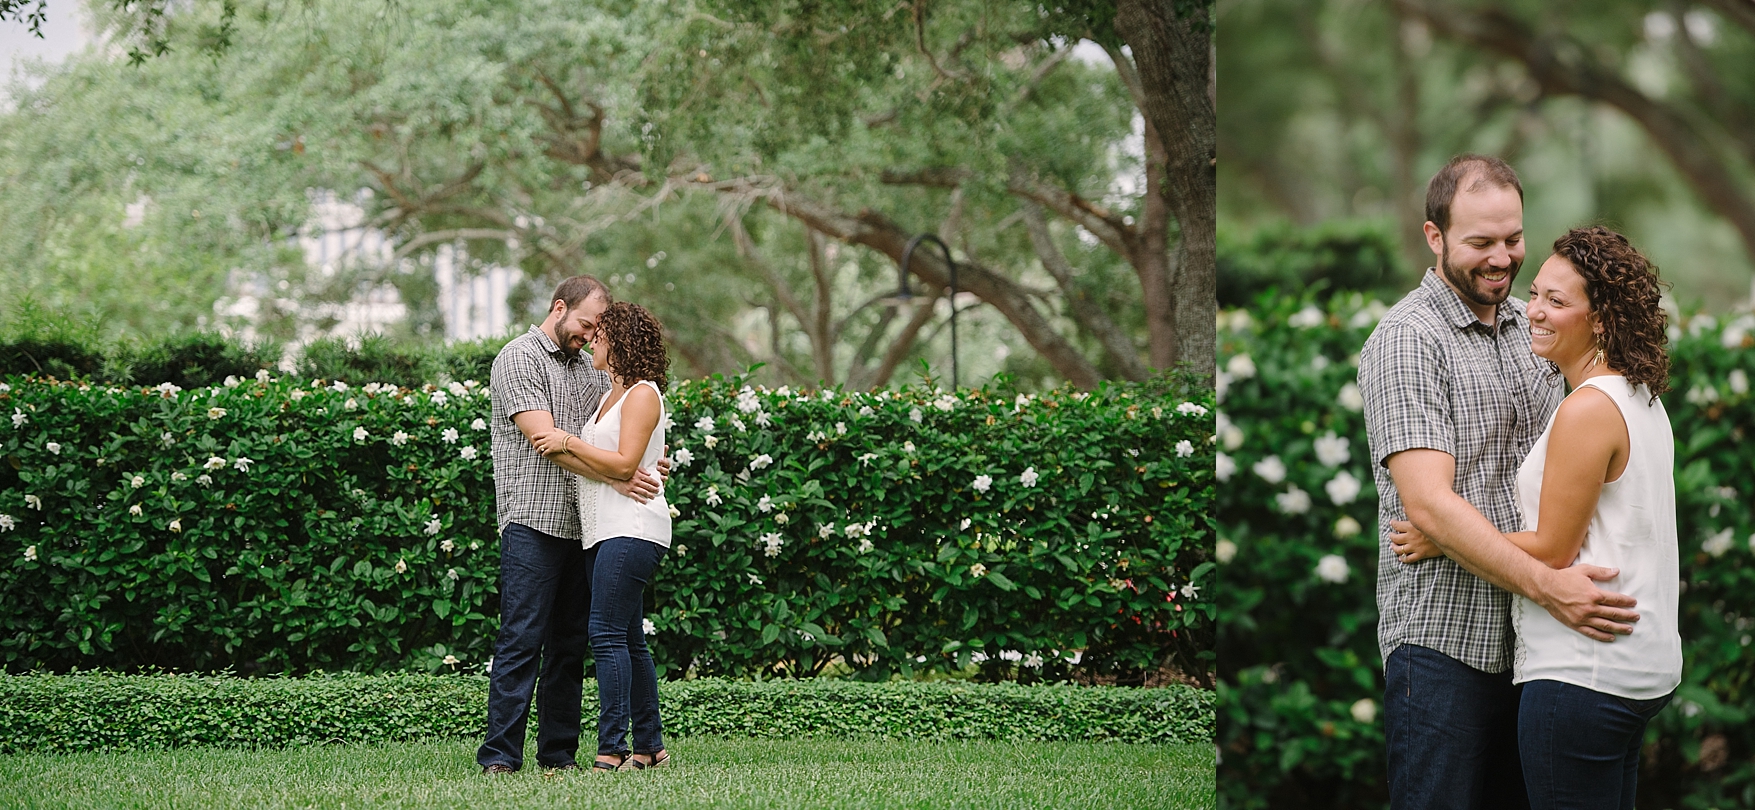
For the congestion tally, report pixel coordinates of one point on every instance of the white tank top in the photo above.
(1634, 530)
(605, 513)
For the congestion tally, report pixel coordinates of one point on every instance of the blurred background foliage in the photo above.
(1638, 114)
(750, 170)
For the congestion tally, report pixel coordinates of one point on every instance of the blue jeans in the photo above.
(627, 683)
(1452, 733)
(1581, 747)
(545, 597)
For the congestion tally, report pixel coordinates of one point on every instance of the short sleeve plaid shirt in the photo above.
(1435, 377)
(532, 374)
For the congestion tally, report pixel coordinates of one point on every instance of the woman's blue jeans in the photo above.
(1580, 747)
(627, 683)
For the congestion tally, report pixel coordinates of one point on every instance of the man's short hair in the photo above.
(577, 289)
(1487, 172)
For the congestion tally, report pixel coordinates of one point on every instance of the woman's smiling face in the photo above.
(1562, 326)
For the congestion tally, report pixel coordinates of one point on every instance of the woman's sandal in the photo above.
(620, 765)
(659, 759)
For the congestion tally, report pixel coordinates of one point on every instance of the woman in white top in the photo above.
(624, 538)
(1597, 488)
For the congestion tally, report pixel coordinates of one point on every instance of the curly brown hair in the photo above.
(635, 341)
(1623, 288)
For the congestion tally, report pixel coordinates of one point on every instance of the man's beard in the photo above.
(566, 338)
(1463, 280)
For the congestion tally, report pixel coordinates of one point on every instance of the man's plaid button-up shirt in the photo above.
(1435, 377)
(532, 373)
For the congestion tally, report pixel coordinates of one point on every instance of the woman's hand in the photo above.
(551, 442)
(1410, 544)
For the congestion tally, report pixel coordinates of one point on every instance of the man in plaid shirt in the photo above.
(540, 382)
(1454, 398)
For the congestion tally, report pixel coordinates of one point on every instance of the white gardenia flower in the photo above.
(825, 531)
(447, 546)
(137, 481)
(166, 439)
(1190, 591)
(755, 580)
(177, 476)
(338, 386)
(30, 553)
(1343, 488)
(908, 447)
(457, 389)
(1332, 568)
(1739, 381)
(1011, 655)
(682, 457)
(763, 419)
(865, 545)
(215, 413)
(478, 424)
(1271, 469)
(1184, 448)
(1033, 660)
(214, 463)
(439, 398)
(915, 415)
(1346, 527)
(1364, 710)
(674, 512)
(865, 410)
(1224, 467)
(782, 518)
(350, 405)
(134, 510)
(713, 498)
(1240, 367)
(432, 527)
(401, 567)
(53, 447)
(1717, 544)
(773, 542)
(19, 419)
(945, 403)
(176, 525)
(7, 523)
(1293, 501)
(761, 461)
(704, 424)
(964, 526)
(205, 480)
(449, 436)
(1307, 317)
(449, 660)
(359, 434)
(738, 423)
(467, 453)
(647, 627)
(1224, 551)
(262, 376)
(1189, 408)
(711, 441)
(399, 438)
(978, 570)
(1332, 450)
(33, 502)
(982, 483)
(1350, 398)
(840, 428)
(243, 464)
(297, 394)
(765, 505)
(1029, 477)
(451, 574)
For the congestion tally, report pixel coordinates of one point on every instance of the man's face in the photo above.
(1480, 254)
(576, 326)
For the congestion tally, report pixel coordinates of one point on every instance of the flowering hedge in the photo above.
(1300, 678)
(289, 525)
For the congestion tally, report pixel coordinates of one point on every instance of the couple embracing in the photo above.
(578, 444)
(1528, 578)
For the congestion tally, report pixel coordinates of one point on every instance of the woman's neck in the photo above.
(1584, 367)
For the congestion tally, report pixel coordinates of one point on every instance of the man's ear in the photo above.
(1434, 238)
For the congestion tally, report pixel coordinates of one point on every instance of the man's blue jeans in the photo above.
(1452, 734)
(1580, 747)
(627, 683)
(545, 598)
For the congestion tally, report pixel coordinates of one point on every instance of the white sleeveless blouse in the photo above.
(1634, 530)
(605, 513)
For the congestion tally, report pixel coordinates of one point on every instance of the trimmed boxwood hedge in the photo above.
(101, 711)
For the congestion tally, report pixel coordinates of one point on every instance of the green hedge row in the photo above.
(1300, 685)
(288, 525)
(89, 712)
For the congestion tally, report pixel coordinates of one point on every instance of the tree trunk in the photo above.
(1172, 57)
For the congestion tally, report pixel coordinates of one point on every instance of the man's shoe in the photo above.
(497, 769)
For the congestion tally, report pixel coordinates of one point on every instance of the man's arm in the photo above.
(1424, 479)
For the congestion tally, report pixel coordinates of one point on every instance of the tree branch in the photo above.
(1116, 345)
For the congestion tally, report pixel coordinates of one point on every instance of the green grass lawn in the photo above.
(707, 772)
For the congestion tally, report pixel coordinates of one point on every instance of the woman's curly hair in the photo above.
(1623, 288)
(635, 341)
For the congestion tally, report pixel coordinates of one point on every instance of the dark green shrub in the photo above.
(1334, 257)
(288, 526)
(1300, 679)
(191, 360)
(96, 711)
